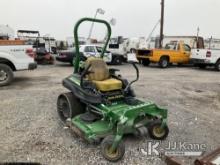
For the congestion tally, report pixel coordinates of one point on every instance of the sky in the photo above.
(134, 18)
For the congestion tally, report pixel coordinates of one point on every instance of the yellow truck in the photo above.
(173, 52)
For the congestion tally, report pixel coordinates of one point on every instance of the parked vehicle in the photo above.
(206, 57)
(86, 51)
(43, 56)
(174, 52)
(117, 46)
(122, 46)
(34, 38)
(14, 58)
(43, 46)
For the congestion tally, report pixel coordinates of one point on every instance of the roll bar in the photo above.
(76, 65)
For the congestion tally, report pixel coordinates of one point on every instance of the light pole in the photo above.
(161, 23)
(112, 23)
(100, 11)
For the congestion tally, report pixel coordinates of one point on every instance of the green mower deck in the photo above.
(119, 111)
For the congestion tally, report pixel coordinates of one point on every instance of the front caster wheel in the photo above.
(107, 152)
(156, 131)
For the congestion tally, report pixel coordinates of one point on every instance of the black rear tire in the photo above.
(6, 75)
(217, 65)
(156, 132)
(117, 60)
(164, 62)
(202, 66)
(146, 62)
(105, 149)
(179, 64)
(68, 106)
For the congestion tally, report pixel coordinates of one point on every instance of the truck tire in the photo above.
(146, 62)
(202, 66)
(6, 75)
(164, 62)
(117, 60)
(217, 65)
(132, 50)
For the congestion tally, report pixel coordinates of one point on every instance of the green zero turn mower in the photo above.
(101, 105)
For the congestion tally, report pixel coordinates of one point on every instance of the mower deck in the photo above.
(118, 111)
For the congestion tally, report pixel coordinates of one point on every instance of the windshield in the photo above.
(99, 49)
(170, 46)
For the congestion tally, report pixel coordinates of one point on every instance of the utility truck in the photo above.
(121, 46)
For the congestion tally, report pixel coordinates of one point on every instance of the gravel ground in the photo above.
(31, 130)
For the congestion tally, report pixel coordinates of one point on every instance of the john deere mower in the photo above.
(101, 106)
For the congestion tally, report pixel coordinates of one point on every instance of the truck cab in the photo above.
(179, 52)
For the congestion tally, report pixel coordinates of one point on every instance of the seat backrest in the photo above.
(98, 68)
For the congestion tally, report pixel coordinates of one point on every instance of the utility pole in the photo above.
(161, 24)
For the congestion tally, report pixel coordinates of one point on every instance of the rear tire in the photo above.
(146, 62)
(202, 66)
(68, 106)
(132, 50)
(179, 64)
(217, 65)
(117, 60)
(6, 75)
(164, 62)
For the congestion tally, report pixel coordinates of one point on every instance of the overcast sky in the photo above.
(135, 18)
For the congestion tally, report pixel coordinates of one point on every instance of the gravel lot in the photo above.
(31, 130)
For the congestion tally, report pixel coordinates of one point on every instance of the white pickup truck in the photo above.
(15, 58)
(206, 57)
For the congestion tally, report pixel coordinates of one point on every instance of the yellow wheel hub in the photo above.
(158, 131)
(110, 153)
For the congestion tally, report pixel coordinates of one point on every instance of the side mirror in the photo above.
(131, 58)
